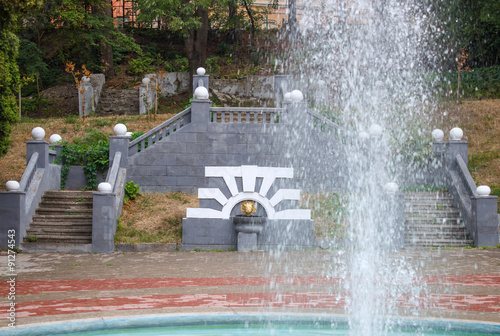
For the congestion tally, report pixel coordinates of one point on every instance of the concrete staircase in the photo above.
(433, 220)
(118, 102)
(63, 218)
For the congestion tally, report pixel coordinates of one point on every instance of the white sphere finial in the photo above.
(104, 188)
(54, 139)
(375, 130)
(437, 135)
(456, 134)
(38, 133)
(364, 135)
(145, 81)
(86, 79)
(12, 185)
(201, 92)
(200, 71)
(391, 188)
(483, 191)
(296, 96)
(287, 97)
(120, 129)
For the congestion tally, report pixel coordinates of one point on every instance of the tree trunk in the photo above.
(232, 34)
(252, 21)
(106, 49)
(196, 43)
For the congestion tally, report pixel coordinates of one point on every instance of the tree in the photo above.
(10, 12)
(189, 18)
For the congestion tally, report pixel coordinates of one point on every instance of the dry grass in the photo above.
(12, 165)
(480, 121)
(154, 218)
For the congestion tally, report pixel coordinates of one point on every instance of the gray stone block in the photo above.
(247, 242)
(287, 234)
(197, 231)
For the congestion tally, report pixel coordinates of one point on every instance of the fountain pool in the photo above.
(247, 324)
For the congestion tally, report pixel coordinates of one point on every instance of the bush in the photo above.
(132, 190)
(140, 66)
(178, 64)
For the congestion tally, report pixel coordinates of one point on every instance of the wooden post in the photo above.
(19, 102)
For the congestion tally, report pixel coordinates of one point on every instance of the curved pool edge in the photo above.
(175, 320)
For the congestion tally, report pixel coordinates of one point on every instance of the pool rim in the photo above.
(183, 319)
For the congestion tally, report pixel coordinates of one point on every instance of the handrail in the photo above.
(113, 172)
(324, 119)
(29, 171)
(246, 115)
(156, 134)
(465, 175)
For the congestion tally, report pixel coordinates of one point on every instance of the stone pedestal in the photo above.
(248, 228)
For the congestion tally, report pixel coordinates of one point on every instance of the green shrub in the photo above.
(140, 66)
(177, 64)
(132, 190)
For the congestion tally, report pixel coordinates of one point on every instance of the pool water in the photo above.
(246, 324)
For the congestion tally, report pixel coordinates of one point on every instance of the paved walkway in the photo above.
(457, 284)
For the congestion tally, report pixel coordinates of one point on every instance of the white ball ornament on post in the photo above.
(105, 188)
(456, 134)
(12, 186)
(288, 97)
(54, 139)
(201, 92)
(145, 81)
(200, 71)
(437, 135)
(391, 188)
(296, 96)
(483, 191)
(86, 79)
(375, 130)
(38, 133)
(128, 134)
(364, 135)
(120, 130)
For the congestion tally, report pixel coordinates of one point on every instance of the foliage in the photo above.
(92, 152)
(132, 190)
(177, 64)
(140, 66)
(9, 79)
(477, 84)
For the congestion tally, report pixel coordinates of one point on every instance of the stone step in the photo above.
(433, 220)
(436, 235)
(58, 231)
(439, 242)
(48, 247)
(430, 206)
(63, 212)
(433, 214)
(435, 228)
(62, 218)
(48, 238)
(65, 205)
(68, 193)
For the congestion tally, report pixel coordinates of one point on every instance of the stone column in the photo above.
(103, 222)
(42, 148)
(85, 97)
(146, 96)
(484, 215)
(281, 85)
(12, 208)
(119, 144)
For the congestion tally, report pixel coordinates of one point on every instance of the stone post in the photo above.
(103, 222)
(281, 85)
(119, 144)
(146, 96)
(484, 215)
(42, 148)
(395, 203)
(85, 97)
(200, 79)
(12, 208)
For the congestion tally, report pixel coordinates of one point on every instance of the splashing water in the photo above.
(363, 64)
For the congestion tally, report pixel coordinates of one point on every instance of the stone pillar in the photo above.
(12, 208)
(85, 97)
(395, 209)
(200, 80)
(103, 223)
(281, 85)
(119, 144)
(146, 96)
(484, 215)
(42, 148)
(453, 148)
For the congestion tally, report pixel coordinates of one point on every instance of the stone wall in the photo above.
(258, 87)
